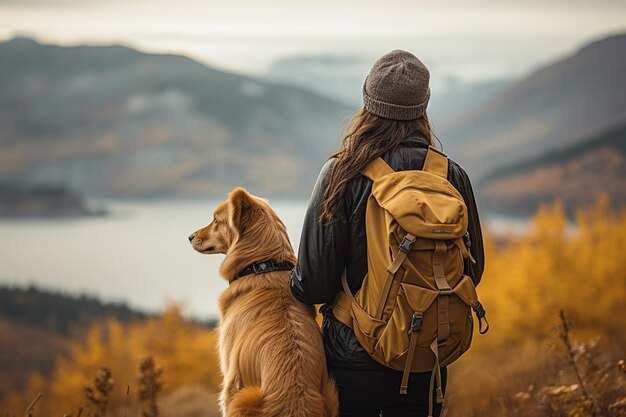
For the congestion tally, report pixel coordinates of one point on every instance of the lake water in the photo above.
(140, 254)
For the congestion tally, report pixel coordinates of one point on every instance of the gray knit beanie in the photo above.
(397, 87)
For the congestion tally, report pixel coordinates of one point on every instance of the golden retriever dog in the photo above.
(270, 346)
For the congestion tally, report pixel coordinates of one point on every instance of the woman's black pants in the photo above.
(374, 393)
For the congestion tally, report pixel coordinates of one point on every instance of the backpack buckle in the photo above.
(405, 245)
(479, 310)
(416, 323)
(467, 240)
(481, 314)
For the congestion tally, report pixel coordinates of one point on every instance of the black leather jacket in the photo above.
(327, 249)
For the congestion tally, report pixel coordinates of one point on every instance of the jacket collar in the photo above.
(415, 139)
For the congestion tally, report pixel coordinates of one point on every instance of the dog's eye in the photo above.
(215, 221)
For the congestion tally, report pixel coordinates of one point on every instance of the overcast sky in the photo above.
(475, 38)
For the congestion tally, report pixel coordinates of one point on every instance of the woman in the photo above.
(393, 125)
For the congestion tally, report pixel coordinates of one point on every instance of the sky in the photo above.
(471, 39)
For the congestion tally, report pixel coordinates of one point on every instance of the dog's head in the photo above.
(247, 225)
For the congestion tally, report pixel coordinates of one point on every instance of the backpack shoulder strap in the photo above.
(436, 162)
(376, 169)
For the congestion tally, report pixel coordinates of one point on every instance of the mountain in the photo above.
(337, 77)
(113, 121)
(460, 97)
(574, 175)
(559, 105)
(340, 78)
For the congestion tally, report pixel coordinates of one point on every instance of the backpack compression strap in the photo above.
(435, 377)
(443, 321)
(443, 326)
(403, 250)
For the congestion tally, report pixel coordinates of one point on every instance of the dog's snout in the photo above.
(191, 237)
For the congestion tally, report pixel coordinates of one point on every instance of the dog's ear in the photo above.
(240, 203)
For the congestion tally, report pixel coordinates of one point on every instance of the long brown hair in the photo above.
(366, 138)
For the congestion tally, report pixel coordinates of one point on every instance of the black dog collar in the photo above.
(263, 267)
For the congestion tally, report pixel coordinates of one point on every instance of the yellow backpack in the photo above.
(412, 312)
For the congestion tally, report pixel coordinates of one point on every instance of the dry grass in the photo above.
(97, 397)
(566, 378)
(31, 407)
(150, 384)
(190, 401)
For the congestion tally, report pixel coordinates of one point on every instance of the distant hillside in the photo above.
(42, 201)
(57, 312)
(565, 103)
(335, 76)
(112, 121)
(36, 326)
(341, 78)
(574, 175)
(446, 107)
